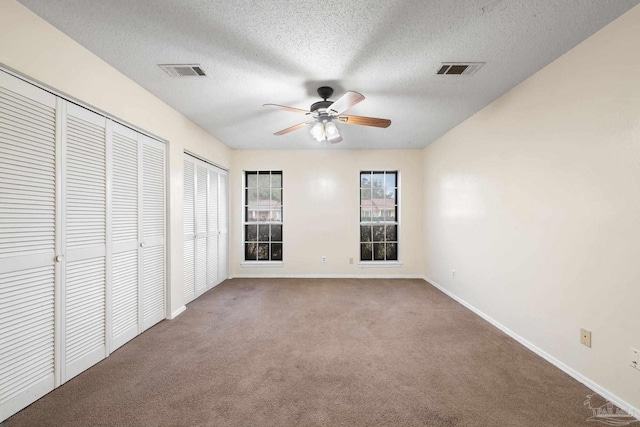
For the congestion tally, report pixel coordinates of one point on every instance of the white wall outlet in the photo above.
(635, 359)
(585, 337)
(324, 259)
(350, 260)
(453, 274)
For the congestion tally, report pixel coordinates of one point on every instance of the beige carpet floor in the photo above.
(318, 352)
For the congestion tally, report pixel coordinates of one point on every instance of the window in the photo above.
(263, 216)
(379, 216)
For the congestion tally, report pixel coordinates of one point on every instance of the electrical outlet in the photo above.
(453, 274)
(585, 337)
(350, 260)
(635, 359)
(324, 259)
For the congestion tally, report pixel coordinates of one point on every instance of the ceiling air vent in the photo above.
(460, 68)
(183, 70)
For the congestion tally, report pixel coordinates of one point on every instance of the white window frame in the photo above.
(245, 222)
(380, 263)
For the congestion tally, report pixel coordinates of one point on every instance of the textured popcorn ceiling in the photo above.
(258, 52)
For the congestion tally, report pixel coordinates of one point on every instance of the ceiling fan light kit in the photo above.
(325, 113)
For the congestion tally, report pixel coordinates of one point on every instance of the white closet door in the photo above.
(84, 200)
(27, 243)
(201, 228)
(213, 233)
(189, 229)
(124, 265)
(223, 223)
(153, 232)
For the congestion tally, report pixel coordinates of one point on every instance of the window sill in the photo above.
(260, 264)
(379, 264)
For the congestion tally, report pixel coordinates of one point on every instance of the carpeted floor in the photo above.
(318, 352)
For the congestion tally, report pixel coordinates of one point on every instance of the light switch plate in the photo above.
(585, 337)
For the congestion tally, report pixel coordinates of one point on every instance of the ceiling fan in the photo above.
(326, 113)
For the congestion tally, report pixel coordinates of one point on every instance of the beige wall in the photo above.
(37, 50)
(321, 207)
(535, 202)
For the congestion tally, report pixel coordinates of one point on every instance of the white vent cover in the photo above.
(183, 70)
(459, 68)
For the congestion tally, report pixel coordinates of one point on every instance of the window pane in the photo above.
(276, 233)
(276, 215)
(276, 251)
(390, 196)
(263, 232)
(263, 251)
(390, 214)
(392, 251)
(250, 233)
(378, 251)
(365, 197)
(365, 233)
(377, 194)
(390, 179)
(252, 179)
(251, 214)
(377, 214)
(365, 214)
(276, 180)
(276, 197)
(377, 179)
(264, 180)
(262, 214)
(392, 233)
(365, 252)
(264, 196)
(251, 251)
(365, 179)
(378, 233)
(251, 196)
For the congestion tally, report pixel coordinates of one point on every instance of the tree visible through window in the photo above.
(379, 216)
(263, 216)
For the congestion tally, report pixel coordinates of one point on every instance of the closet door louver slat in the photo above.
(125, 189)
(189, 229)
(84, 145)
(27, 243)
(223, 221)
(201, 228)
(212, 232)
(153, 234)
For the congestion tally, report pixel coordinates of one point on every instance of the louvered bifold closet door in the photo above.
(189, 228)
(213, 233)
(201, 228)
(84, 201)
(223, 224)
(153, 232)
(27, 243)
(124, 265)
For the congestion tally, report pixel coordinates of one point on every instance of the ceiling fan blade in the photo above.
(291, 109)
(364, 121)
(346, 101)
(292, 128)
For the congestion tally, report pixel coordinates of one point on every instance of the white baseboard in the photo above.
(631, 410)
(178, 312)
(325, 276)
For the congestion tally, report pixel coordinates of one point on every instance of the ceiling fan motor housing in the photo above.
(320, 104)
